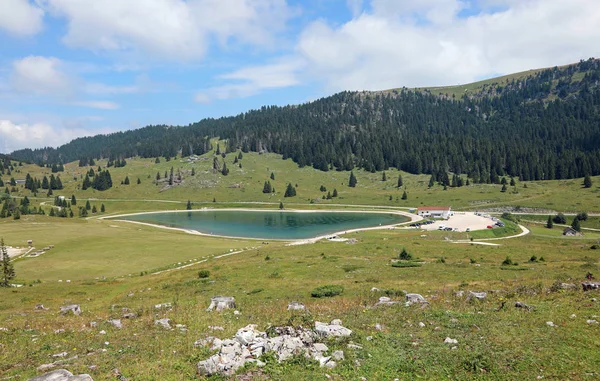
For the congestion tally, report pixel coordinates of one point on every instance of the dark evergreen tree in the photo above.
(576, 225)
(352, 181)
(126, 181)
(431, 181)
(94, 210)
(88, 206)
(290, 191)
(559, 219)
(272, 176)
(549, 223)
(335, 193)
(102, 208)
(45, 183)
(139, 181)
(189, 205)
(587, 181)
(225, 170)
(383, 176)
(267, 187)
(404, 195)
(8, 270)
(280, 205)
(400, 181)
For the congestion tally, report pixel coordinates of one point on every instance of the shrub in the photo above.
(350, 268)
(267, 258)
(560, 219)
(507, 261)
(442, 260)
(256, 291)
(405, 255)
(510, 217)
(327, 291)
(533, 259)
(406, 264)
(203, 274)
(394, 293)
(595, 247)
(473, 261)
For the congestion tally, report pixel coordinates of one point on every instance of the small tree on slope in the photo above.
(8, 270)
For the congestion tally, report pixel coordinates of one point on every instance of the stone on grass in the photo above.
(448, 340)
(385, 301)
(330, 330)
(591, 321)
(214, 342)
(74, 308)
(163, 306)
(568, 286)
(421, 324)
(476, 296)
(587, 286)
(296, 306)
(249, 335)
(336, 322)
(337, 355)
(165, 323)
(62, 375)
(220, 303)
(550, 324)
(524, 306)
(415, 298)
(40, 307)
(116, 323)
(130, 315)
(46, 367)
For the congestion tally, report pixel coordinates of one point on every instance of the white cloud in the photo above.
(19, 135)
(169, 29)
(40, 76)
(252, 80)
(391, 46)
(21, 18)
(102, 105)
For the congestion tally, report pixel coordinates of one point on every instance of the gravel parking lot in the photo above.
(462, 221)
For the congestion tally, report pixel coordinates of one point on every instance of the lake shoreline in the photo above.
(300, 241)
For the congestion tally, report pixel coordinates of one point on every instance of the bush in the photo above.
(533, 259)
(256, 291)
(473, 261)
(406, 264)
(507, 261)
(405, 255)
(203, 274)
(511, 217)
(327, 291)
(594, 247)
(559, 219)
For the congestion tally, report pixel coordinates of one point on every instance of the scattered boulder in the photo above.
(448, 340)
(336, 322)
(130, 315)
(568, 286)
(296, 306)
(385, 301)
(476, 296)
(165, 323)
(415, 298)
(550, 324)
(220, 303)
(459, 294)
(116, 323)
(588, 286)
(421, 324)
(591, 321)
(62, 375)
(163, 306)
(524, 306)
(214, 342)
(40, 307)
(331, 330)
(61, 354)
(71, 308)
(46, 367)
(337, 355)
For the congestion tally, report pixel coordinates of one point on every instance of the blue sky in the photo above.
(73, 68)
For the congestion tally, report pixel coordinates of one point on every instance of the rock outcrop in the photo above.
(249, 344)
(74, 308)
(220, 303)
(62, 375)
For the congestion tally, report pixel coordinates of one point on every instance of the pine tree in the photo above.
(400, 181)
(404, 196)
(139, 181)
(431, 181)
(225, 170)
(87, 205)
(272, 176)
(94, 210)
(576, 225)
(290, 191)
(352, 181)
(73, 200)
(126, 182)
(157, 176)
(335, 193)
(193, 171)
(267, 187)
(102, 208)
(587, 181)
(8, 270)
(383, 176)
(503, 188)
(189, 205)
(240, 156)
(550, 223)
(281, 206)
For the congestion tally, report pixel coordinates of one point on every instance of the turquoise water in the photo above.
(268, 225)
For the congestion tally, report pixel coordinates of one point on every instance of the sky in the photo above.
(72, 68)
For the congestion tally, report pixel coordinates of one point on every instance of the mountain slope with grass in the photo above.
(538, 125)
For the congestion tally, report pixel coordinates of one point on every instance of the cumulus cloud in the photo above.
(20, 17)
(40, 76)
(14, 135)
(170, 29)
(252, 80)
(391, 46)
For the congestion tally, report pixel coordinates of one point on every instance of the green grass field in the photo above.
(110, 265)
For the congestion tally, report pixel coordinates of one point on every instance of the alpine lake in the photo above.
(275, 225)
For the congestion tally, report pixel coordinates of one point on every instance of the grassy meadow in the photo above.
(111, 265)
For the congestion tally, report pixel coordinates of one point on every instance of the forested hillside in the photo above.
(540, 126)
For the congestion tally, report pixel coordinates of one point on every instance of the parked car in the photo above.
(468, 230)
(490, 227)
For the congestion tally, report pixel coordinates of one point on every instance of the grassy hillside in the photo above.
(114, 265)
(245, 184)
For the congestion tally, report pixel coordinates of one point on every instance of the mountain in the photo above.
(541, 124)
